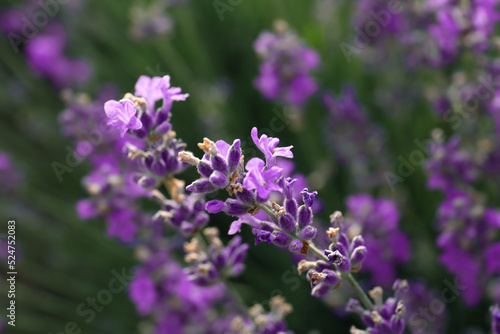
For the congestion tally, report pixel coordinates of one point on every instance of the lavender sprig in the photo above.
(284, 224)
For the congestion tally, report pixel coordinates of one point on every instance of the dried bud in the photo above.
(189, 158)
(355, 330)
(192, 247)
(279, 307)
(336, 219)
(255, 310)
(278, 210)
(305, 265)
(162, 215)
(376, 317)
(333, 234)
(191, 257)
(204, 269)
(377, 294)
(209, 147)
(237, 324)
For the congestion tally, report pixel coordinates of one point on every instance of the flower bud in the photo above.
(308, 233)
(281, 239)
(218, 179)
(201, 186)
(287, 223)
(234, 155)
(304, 216)
(219, 164)
(358, 255)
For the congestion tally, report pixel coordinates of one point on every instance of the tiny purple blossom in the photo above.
(149, 89)
(261, 179)
(170, 94)
(121, 115)
(268, 146)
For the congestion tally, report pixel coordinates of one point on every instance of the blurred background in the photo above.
(207, 49)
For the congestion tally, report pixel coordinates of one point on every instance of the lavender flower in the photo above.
(268, 146)
(433, 34)
(285, 224)
(84, 121)
(114, 198)
(418, 298)
(377, 220)
(162, 289)
(45, 54)
(122, 115)
(262, 322)
(450, 164)
(150, 21)
(284, 72)
(218, 168)
(156, 156)
(207, 267)
(495, 324)
(222, 168)
(356, 142)
(342, 256)
(388, 315)
(186, 213)
(468, 251)
(261, 179)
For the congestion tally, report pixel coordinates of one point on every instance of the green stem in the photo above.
(365, 300)
(359, 291)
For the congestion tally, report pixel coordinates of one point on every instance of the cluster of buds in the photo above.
(218, 167)
(341, 256)
(209, 265)
(184, 213)
(386, 317)
(261, 322)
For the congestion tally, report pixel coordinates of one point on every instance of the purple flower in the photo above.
(170, 94)
(143, 294)
(484, 17)
(150, 21)
(45, 54)
(419, 297)
(285, 71)
(122, 115)
(216, 168)
(268, 146)
(495, 315)
(377, 219)
(356, 141)
(446, 33)
(258, 321)
(161, 288)
(218, 262)
(122, 226)
(149, 89)
(467, 249)
(261, 179)
(388, 315)
(450, 165)
(185, 214)
(263, 236)
(86, 209)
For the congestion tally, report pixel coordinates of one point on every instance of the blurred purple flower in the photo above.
(122, 115)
